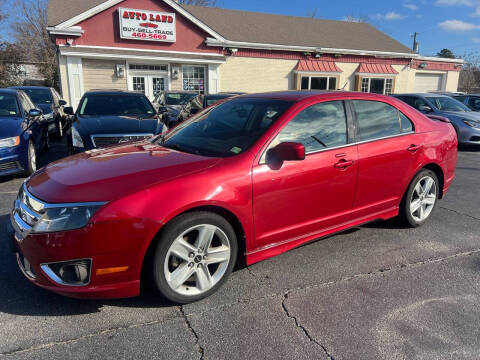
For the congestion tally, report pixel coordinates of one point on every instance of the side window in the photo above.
(378, 120)
(320, 126)
(55, 97)
(461, 98)
(474, 103)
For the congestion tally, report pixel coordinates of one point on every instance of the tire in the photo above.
(31, 159)
(47, 143)
(182, 271)
(421, 198)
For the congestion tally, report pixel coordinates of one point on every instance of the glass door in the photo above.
(148, 84)
(158, 85)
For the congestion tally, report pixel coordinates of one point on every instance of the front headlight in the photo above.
(77, 138)
(472, 123)
(48, 116)
(64, 218)
(10, 142)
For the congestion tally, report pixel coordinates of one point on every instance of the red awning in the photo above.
(317, 66)
(366, 68)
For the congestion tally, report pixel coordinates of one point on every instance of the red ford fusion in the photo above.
(247, 179)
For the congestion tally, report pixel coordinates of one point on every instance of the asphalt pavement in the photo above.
(378, 291)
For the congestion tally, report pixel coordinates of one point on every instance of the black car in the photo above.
(471, 100)
(170, 103)
(52, 105)
(200, 102)
(112, 117)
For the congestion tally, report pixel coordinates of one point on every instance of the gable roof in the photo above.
(263, 28)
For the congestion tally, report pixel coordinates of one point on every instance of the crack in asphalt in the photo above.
(201, 350)
(302, 328)
(284, 294)
(459, 213)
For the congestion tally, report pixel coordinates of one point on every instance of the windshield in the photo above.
(210, 100)
(39, 96)
(178, 98)
(116, 105)
(448, 104)
(227, 129)
(8, 105)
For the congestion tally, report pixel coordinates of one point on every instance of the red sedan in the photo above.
(246, 179)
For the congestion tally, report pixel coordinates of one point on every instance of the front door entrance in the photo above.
(150, 85)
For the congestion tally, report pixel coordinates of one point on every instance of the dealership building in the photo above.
(153, 45)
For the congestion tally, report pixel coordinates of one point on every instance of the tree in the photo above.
(210, 3)
(470, 75)
(33, 40)
(446, 53)
(312, 13)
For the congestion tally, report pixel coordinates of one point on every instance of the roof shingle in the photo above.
(253, 27)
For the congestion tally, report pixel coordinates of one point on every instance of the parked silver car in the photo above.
(465, 121)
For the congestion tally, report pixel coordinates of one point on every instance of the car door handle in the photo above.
(343, 164)
(414, 148)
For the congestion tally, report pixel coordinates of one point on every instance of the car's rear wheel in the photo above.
(421, 198)
(31, 159)
(195, 255)
(59, 129)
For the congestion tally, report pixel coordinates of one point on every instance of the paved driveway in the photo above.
(375, 292)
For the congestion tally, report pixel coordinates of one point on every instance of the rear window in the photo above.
(8, 105)
(178, 98)
(116, 105)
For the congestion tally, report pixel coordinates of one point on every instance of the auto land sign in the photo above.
(147, 25)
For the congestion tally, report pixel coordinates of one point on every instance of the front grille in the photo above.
(11, 165)
(100, 141)
(27, 211)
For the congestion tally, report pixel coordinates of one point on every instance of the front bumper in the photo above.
(12, 161)
(468, 136)
(94, 242)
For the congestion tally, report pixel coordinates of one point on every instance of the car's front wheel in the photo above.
(420, 199)
(195, 254)
(31, 159)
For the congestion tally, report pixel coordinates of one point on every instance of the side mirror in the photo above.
(68, 110)
(34, 113)
(62, 102)
(286, 151)
(162, 109)
(425, 108)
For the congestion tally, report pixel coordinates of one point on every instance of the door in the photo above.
(388, 150)
(304, 197)
(149, 85)
(428, 82)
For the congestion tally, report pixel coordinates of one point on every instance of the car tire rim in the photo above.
(33, 157)
(60, 130)
(423, 199)
(197, 260)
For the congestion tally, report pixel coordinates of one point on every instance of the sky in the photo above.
(452, 24)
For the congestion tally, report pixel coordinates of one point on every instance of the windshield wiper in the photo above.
(319, 141)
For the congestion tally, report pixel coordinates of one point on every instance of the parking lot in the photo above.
(375, 292)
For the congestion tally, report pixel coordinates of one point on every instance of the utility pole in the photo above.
(415, 42)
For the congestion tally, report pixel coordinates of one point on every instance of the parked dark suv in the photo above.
(52, 105)
(109, 117)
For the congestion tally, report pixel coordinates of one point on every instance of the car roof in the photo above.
(423, 94)
(113, 92)
(9, 91)
(299, 95)
(30, 87)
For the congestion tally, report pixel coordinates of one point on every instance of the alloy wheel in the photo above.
(197, 260)
(33, 157)
(423, 199)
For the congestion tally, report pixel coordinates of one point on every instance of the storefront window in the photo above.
(148, 67)
(139, 84)
(319, 83)
(377, 85)
(194, 79)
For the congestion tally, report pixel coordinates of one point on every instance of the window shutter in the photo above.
(358, 82)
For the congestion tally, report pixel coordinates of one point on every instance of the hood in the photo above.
(117, 125)
(458, 115)
(10, 126)
(46, 108)
(109, 174)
